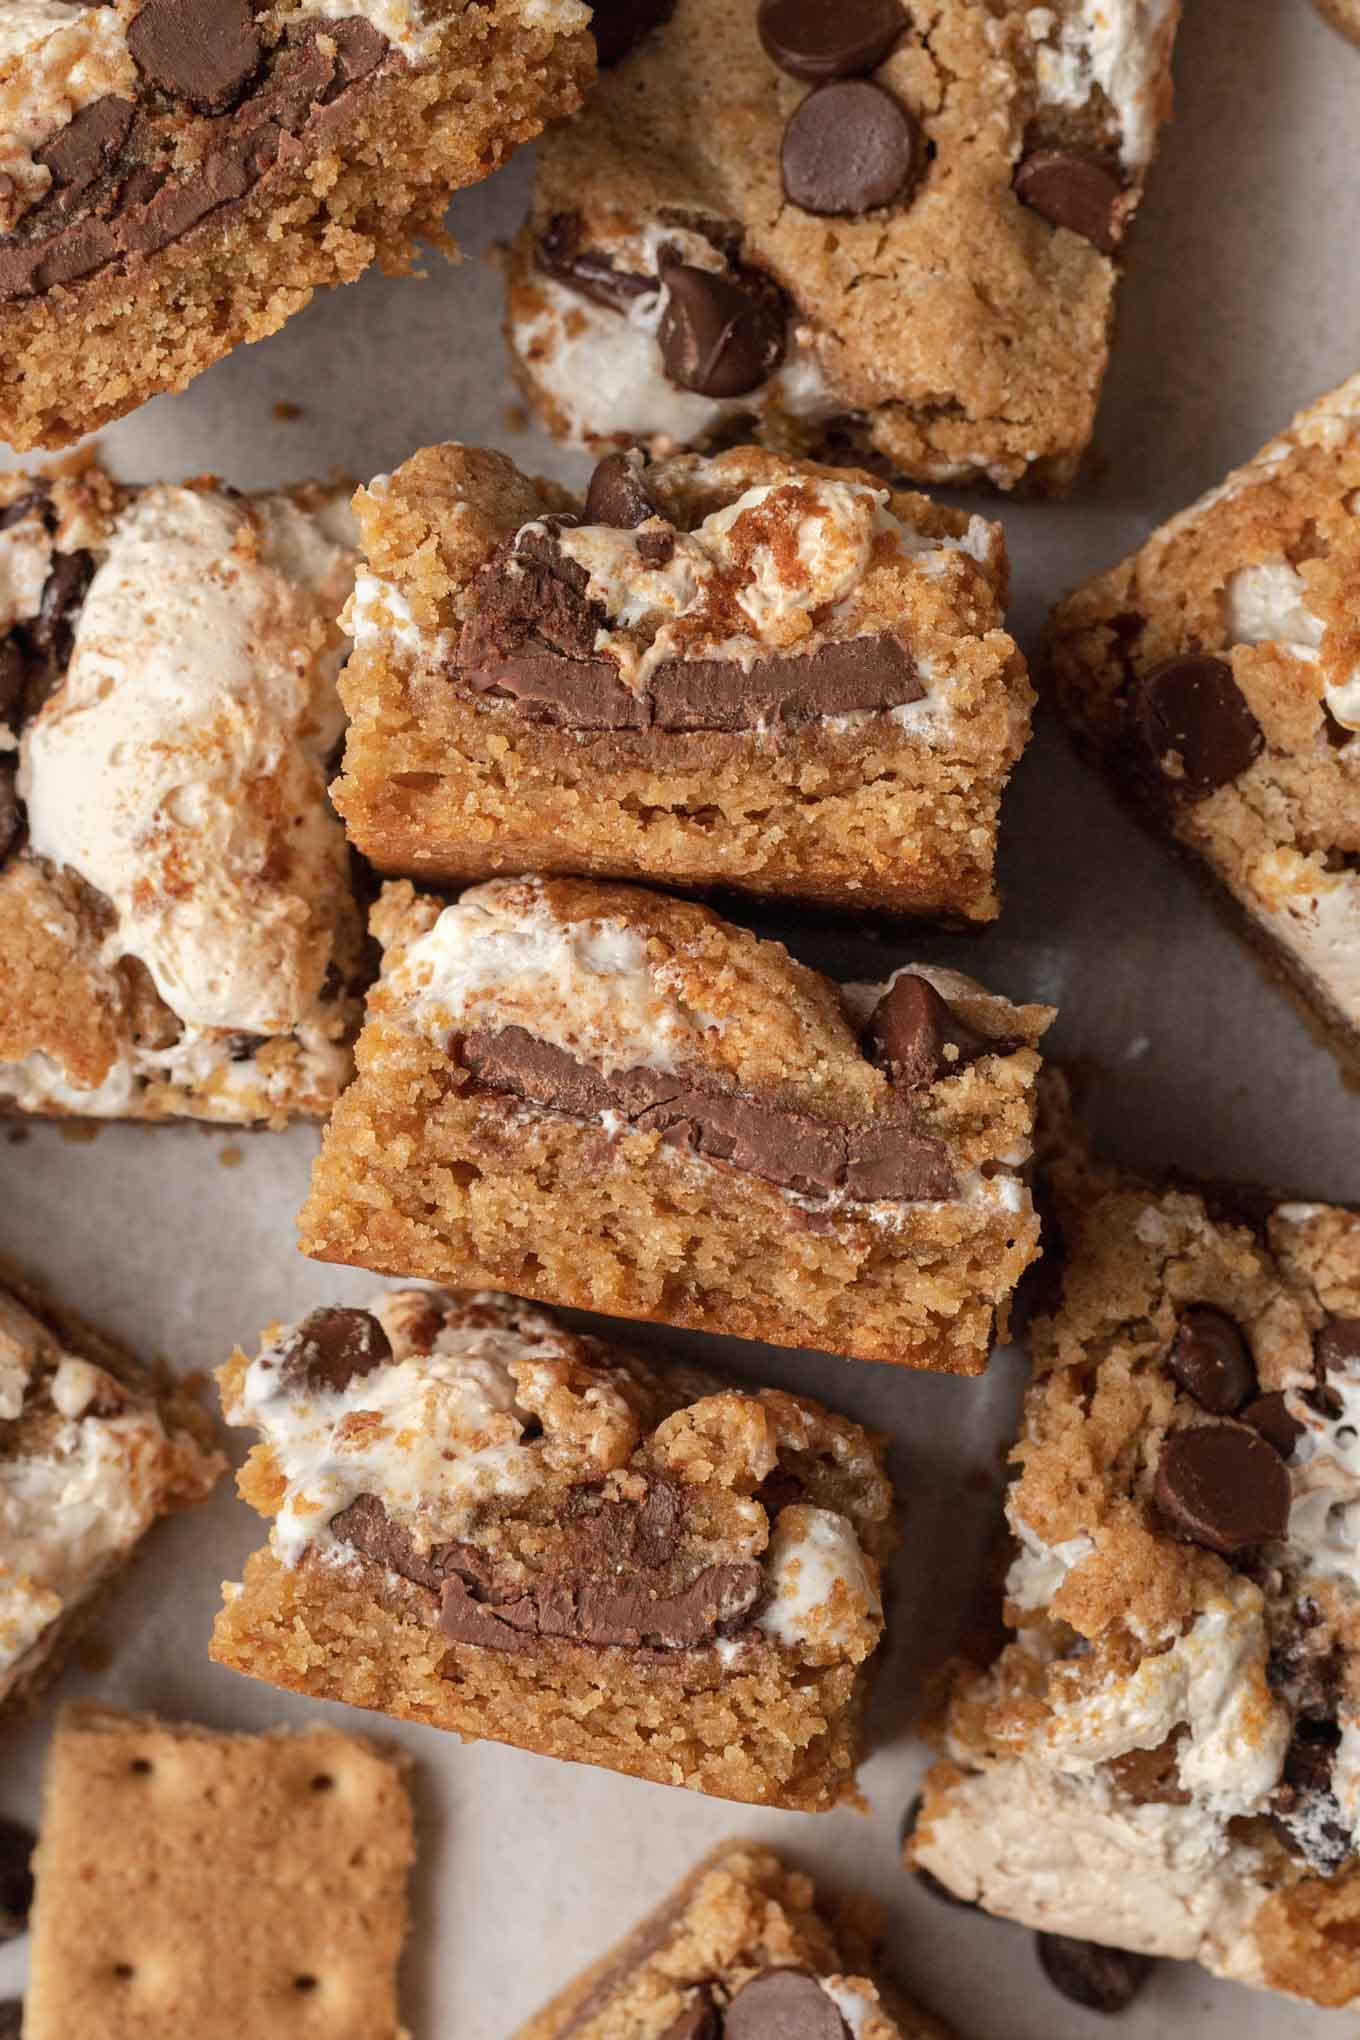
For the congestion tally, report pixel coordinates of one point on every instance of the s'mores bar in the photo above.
(1166, 1756)
(94, 1449)
(178, 176)
(745, 672)
(745, 1949)
(228, 1887)
(1214, 678)
(179, 932)
(604, 1097)
(884, 232)
(487, 1522)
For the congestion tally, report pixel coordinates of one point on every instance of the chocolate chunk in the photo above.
(886, 1159)
(1223, 1486)
(333, 1347)
(809, 39)
(1102, 1979)
(51, 630)
(36, 498)
(720, 336)
(619, 26)
(13, 674)
(912, 1028)
(1195, 724)
(849, 148)
(1212, 1361)
(1074, 188)
(366, 1527)
(16, 1878)
(616, 1533)
(619, 1613)
(9, 808)
(1269, 1414)
(204, 51)
(698, 2021)
(561, 254)
(88, 145)
(617, 495)
(1336, 1347)
(359, 49)
(783, 2004)
(840, 678)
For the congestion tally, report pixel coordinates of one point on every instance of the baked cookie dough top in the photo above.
(1217, 673)
(608, 1003)
(539, 1485)
(168, 662)
(894, 222)
(738, 593)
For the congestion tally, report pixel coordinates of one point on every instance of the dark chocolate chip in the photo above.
(9, 808)
(204, 51)
(36, 498)
(87, 146)
(1212, 1361)
(63, 592)
(1336, 1348)
(1196, 725)
(333, 1347)
(1269, 1414)
(718, 336)
(783, 2004)
(16, 1878)
(13, 672)
(1099, 1978)
(619, 26)
(617, 495)
(813, 40)
(1074, 188)
(656, 548)
(561, 254)
(1223, 1486)
(911, 1030)
(848, 148)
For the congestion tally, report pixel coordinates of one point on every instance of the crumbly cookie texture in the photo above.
(235, 1887)
(178, 176)
(1215, 678)
(179, 930)
(487, 1522)
(745, 671)
(94, 1449)
(744, 1948)
(1167, 1755)
(601, 1096)
(886, 233)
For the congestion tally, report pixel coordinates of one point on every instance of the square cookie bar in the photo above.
(883, 231)
(1214, 678)
(178, 176)
(745, 1949)
(178, 929)
(600, 1096)
(228, 1887)
(487, 1522)
(1166, 1757)
(746, 671)
(94, 1448)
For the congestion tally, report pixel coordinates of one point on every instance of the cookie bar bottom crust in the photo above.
(765, 1736)
(417, 1180)
(66, 363)
(272, 1902)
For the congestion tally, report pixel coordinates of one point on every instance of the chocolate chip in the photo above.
(561, 253)
(698, 2021)
(13, 672)
(783, 2004)
(617, 496)
(1196, 725)
(36, 498)
(911, 1030)
(87, 146)
(848, 148)
(63, 593)
(1074, 188)
(810, 39)
(1224, 1487)
(1269, 1414)
(333, 1347)
(1336, 1348)
(16, 1878)
(1099, 1978)
(200, 50)
(656, 548)
(619, 26)
(1212, 1360)
(718, 337)
(9, 808)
